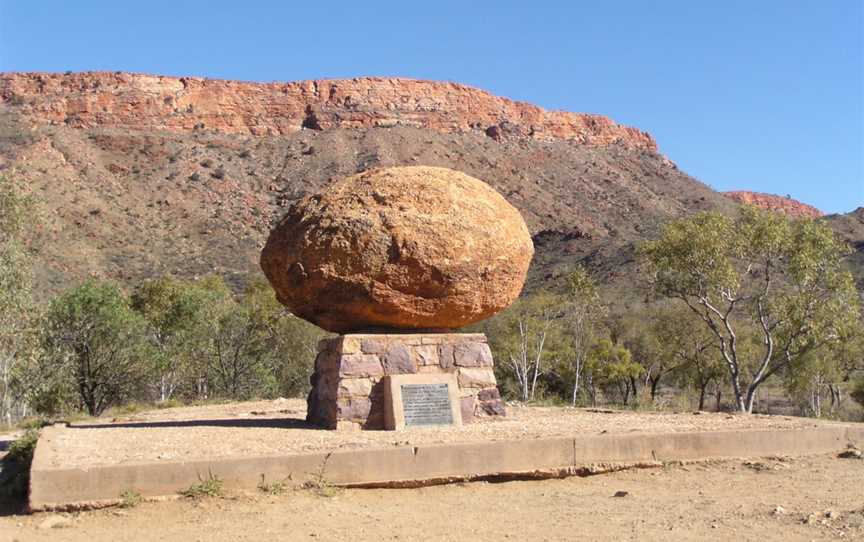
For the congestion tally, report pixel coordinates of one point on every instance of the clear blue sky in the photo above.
(760, 95)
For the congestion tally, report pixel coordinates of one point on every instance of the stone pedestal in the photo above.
(347, 388)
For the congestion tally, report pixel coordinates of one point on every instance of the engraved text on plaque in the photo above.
(426, 404)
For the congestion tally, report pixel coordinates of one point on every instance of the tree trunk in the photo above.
(750, 401)
(634, 387)
(834, 391)
(702, 387)
(654, 384)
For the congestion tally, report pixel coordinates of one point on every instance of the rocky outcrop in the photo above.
(399, 248)
(771, 202)
(101, 99)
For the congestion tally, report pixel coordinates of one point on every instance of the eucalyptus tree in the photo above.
(526, 339)
(93, 338)
(584, 312)
(688, 348)
(761, 271)
(177, 313)
(17, 309)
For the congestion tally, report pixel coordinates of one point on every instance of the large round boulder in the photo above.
(399, 248)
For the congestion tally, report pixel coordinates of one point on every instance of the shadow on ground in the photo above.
(281, 423)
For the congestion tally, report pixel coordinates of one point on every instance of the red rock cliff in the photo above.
(771, 202)
(190, 103)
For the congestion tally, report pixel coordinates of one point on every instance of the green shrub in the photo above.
(209, 487)
(15, 477)
(130, 499)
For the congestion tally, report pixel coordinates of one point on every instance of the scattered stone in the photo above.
(758, 466)
(779, 511)
(621, 494)
(851, 453)
(55, 521)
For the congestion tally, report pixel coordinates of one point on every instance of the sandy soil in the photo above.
(814, 498)
(277, 427)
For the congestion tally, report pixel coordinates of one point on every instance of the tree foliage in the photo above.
(584, 312)
(779, 281)
(92, 336)
(527, 340)
(611, 367)
(170, 339)
(17, 310)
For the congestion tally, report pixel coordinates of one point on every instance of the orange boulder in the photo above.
(399, 248)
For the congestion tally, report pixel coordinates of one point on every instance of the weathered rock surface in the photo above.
(772, 202)
(399, 248)
(188, 104)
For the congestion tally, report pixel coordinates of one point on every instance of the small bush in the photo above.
(21, 449)
(211, 487)
(318, 482)
(15, 467)
(130, 499)
(272, 488)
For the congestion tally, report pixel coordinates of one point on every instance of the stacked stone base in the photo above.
(347, 389)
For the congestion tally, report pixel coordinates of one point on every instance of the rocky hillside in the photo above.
(850, 227)
(139, 175)
(772, 202)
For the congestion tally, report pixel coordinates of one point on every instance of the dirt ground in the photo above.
(812, 498)
(262, 428)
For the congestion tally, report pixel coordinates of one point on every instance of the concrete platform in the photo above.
(57, 487)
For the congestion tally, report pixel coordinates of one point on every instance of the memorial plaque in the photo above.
(413, 401)
(427, 404)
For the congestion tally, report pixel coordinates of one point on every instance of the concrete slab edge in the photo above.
(54, 488)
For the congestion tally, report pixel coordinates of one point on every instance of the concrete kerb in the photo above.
(408, 466)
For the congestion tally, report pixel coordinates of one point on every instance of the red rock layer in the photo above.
(190, 103)
(771, 202)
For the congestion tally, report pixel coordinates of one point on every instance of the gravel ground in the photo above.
(264, 428)
(810, 498)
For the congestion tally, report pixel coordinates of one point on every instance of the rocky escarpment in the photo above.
(185, 104)
(127, 188)
(780, 204)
